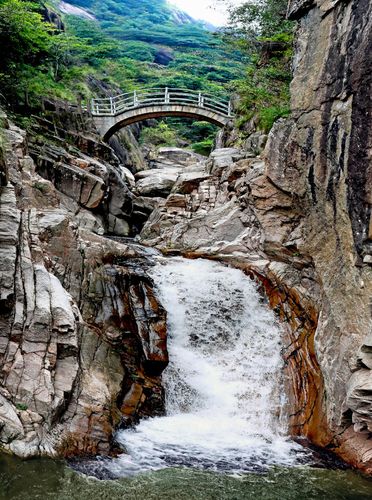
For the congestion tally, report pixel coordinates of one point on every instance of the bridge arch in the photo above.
(113, 113)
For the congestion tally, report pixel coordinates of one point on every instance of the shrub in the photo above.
(267, 116)
(204, 147)
(21, 406)
(160, 135)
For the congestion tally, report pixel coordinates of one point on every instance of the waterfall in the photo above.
(224, 382)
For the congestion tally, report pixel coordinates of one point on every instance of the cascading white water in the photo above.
(223, 384)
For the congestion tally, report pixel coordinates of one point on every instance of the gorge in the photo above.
(202, 325)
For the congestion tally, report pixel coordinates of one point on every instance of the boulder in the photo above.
(188, 181)
(158, 183)
(221, 159)
(170, 156)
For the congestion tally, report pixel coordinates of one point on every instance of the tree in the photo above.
(261, 29)
(160, 135)
(260, 18)
(23, 33)
(62, 51)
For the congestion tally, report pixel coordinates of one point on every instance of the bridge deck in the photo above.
(114, 106)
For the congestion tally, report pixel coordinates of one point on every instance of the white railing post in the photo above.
(229, 109)
(135, 98)
(167, 97)
(200, 100)
(112, 106)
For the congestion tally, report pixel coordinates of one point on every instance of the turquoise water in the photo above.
(47, 479)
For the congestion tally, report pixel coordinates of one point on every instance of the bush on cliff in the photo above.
(260, 28)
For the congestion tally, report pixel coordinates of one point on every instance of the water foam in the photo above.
(224, 382)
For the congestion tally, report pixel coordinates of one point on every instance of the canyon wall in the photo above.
(82, 335)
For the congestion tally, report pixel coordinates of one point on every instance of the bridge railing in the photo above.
(112, 106)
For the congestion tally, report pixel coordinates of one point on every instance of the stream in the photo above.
(223, 385)
(224, 434)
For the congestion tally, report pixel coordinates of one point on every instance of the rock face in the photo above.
(169, 167)
(126, 148)
(299, 220)
(82, 335)
(90, 174)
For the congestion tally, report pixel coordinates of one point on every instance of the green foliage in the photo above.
(268, 116)
(119, 48)
(260, 18)
(23, 33)
(36, 57)
(261, 29)
(21, 406)
(160, 135)
(139, 51)
(195, 131)
(203, 147)
(65, 50)
(183, 132)
(24, 36)
(41, 187)
(141, 29)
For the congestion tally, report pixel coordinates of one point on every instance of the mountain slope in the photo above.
(170, 47)
(78, 49)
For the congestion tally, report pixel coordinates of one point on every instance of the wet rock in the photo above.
(78, 321)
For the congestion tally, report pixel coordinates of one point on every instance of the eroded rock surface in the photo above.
(95, 185)
(82, 335)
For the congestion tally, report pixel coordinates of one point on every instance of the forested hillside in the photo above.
(83, 48)
(123, 44)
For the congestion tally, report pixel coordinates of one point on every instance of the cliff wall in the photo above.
(82, 336)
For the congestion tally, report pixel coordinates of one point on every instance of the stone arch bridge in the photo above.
(110, 114)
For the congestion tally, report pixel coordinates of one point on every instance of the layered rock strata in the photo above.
(83, 340)
(68, 152)
(82, 335)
